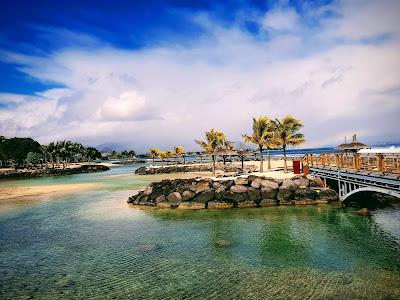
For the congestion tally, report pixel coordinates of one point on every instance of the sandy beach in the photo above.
(8, 193)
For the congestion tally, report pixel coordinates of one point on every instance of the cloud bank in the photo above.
(335, 67)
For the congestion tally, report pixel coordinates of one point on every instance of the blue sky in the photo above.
(162, 72)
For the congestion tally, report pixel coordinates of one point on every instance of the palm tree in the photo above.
(178, 152)
(154, 152)
(262, 136)
(162, 155)
(286, 134)
(214, 139)
(169, 154)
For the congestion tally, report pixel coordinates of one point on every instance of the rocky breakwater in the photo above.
(192, 168)
(32, 173)
(250, 191)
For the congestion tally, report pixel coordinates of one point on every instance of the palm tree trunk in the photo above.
(261, 160)
(284, 158)
(184, 160)
(242, 159)
(153, 160)
(269, 160)
(213, 164)
(224, 159)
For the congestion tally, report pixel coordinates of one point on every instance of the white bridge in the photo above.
(357, 173)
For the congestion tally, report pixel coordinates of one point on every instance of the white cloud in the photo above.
(170, 95)
(281, 20)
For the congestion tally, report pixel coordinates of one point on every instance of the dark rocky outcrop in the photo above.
(242, 192)
(24, 174)
(146, 170)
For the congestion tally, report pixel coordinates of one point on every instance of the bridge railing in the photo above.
(382, 163)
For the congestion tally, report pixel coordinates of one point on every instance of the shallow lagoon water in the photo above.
(94, 245)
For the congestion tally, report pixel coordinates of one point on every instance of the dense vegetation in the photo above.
(20, 151)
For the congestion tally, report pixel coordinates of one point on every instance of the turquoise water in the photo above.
(92, 245)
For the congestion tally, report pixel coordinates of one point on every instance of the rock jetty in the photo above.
(250, 191)
(192, 168)
(23, 174)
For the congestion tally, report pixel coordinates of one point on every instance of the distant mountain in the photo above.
(110, 147)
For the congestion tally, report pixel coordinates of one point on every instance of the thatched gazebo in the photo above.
(354, 146)
(225, 150)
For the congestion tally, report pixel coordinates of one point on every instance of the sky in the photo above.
(161, 73)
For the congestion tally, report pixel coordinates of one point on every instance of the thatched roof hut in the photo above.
(353, 146)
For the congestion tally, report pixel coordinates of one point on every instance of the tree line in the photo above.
(19, 151)
(268, 134)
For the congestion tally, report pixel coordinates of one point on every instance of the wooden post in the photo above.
(379, 160)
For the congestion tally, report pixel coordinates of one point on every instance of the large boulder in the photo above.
(288, 185)
(228, 183)
(191, 205)
(256, 182)
(315, 181)
(234, 197)
(219, 205)
(160, 199)
(251, 178)
(241, 181)
(301, 182)
(148, 190)
(238, 189)
(202, 185)
(174, 199)
(363, 212)
(187, 195)
(205, 196)
(304, 193)
(269, 189)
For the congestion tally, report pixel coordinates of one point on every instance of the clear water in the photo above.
(92, 245)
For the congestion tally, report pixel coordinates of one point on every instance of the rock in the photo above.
(269, 184)
(250, 178)
(205, 196)
(301, 182)
(327, 194)
(279, 181)
(269, 189)
(202, 185)
(241, 181)
(160, 199)
(304, 193)
(191, 205)
(315, 181)
(228, 183)
(288, 185)
(363, 212)
(234, 198)
(246, 204)
(174, 199)
(256, 183)
(219, 205)
(284, 196)
(163, 205)
(254, 194)
(267, 202)
(238, 189)
(147, 191)
(187, 195)
(323, 202)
